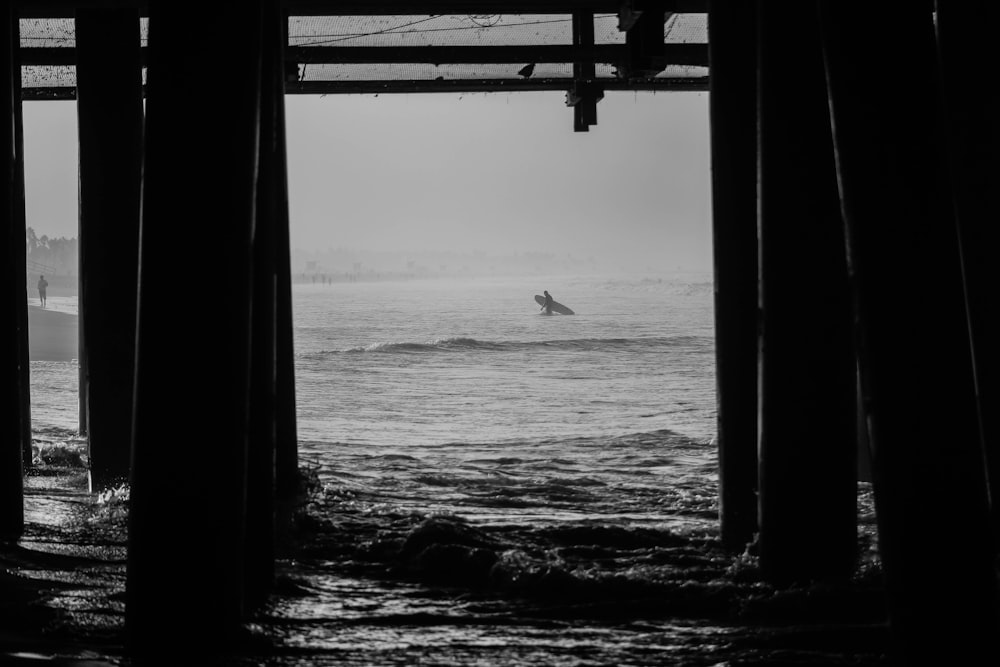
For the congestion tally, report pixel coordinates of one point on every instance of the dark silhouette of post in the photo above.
(914, 350)
(21, 264)
(271, 212)
(733, 111)
(109, 112)
(11, 244)
(187, 516)
(968, 58)
(84, 379)
(808, 429)
(287, 482)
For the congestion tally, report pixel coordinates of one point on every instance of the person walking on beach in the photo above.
(42, 284)
(547, 306)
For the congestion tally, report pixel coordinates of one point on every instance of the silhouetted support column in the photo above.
(271, 212)
(917, 380)
(21, 266)
(733, 109)
(808, 428)
(965, 33)
(188, 495)
(11, 245)
(84, 377)
(109, 111)
(287, 482)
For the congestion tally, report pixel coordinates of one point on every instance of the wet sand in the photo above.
(62, 602)
(60, 584)
(52, 335)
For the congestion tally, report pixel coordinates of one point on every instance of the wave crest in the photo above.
(462, 343)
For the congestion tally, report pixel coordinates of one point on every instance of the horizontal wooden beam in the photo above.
(677, 54)
(662, 84)
(488, 86)
(422, 7)
(41, 56)
(43, 93)
(67, 8)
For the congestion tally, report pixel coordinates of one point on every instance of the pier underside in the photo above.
(853, 210)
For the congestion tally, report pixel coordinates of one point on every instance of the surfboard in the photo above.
(556, 306)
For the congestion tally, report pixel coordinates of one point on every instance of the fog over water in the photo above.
(497, 174)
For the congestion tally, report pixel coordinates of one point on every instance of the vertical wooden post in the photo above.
(968, 59)
(272, 211)
(287, 483)
(914, 350)
(732, 47)
(585, 94)
(11, 245)
(109, 110)
(187, 512)
(808, 429)
(24, 407)
(81, 346)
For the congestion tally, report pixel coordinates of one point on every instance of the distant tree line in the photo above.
(57, 255)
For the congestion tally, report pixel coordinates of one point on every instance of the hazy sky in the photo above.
(499, 173)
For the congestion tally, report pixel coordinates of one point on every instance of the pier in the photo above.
(853, 224)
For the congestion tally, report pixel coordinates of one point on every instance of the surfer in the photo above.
(42, 284)
(547, 306)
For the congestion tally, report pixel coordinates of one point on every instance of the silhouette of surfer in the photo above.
(42, 284)
(547, 306)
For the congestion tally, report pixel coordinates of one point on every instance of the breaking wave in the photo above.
(576, 344)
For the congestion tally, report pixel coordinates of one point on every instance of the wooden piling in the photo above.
(109, 111)
(733, 113)
(83, 382)
(287, 478)
(187, 512)
(11, 244)
(271, 211)
(808, 428)
(914, 350)
(21, 261)
(585, 93)
(968, 58)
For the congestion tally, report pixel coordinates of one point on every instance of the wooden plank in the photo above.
(65, 8)
(677, 54)
(485, 86)
(662, 84)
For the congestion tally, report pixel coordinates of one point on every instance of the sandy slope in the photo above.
(52, 335)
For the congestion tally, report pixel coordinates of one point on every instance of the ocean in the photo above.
(461, 397)
(493, 486)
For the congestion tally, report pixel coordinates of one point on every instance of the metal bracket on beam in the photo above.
(643, 21)
(628, 15)
(583, 97)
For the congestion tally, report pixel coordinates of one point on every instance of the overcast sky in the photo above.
(498, 173)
